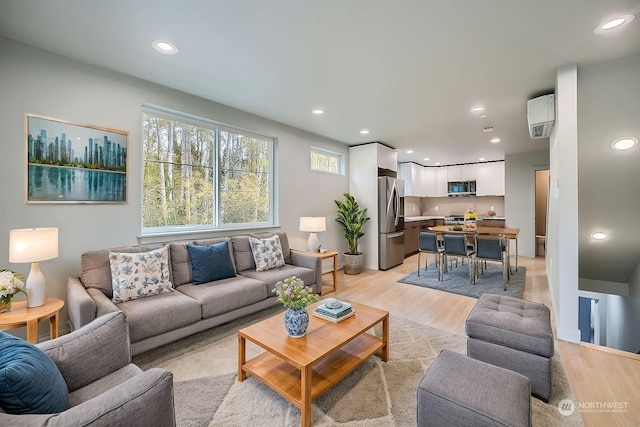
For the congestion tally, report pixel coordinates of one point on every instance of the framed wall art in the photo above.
(74, 163)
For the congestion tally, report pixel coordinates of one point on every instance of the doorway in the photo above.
(541, 208)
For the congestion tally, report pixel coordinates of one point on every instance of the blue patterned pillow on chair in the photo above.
(30, 382)
(267, 253)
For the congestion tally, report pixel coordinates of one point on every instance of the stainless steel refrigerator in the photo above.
(391, 222)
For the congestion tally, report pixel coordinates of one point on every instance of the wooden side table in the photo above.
(20, 316)
(325, 255)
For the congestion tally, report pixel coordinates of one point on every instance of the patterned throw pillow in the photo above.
(267, 253)
(140, 274)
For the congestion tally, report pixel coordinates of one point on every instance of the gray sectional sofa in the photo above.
(159, 319)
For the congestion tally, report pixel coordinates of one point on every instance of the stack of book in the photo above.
(332, 312)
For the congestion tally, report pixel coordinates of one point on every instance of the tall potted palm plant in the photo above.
(352, 218)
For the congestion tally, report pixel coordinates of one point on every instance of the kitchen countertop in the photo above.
(421, 218)
(424, 218)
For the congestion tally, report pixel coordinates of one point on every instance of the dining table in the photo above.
(508, 232)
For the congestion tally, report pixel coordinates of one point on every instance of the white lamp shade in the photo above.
(33, 244)
(313, 224)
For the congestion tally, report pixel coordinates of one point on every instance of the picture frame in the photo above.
(71, 162)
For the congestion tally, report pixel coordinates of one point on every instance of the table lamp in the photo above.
(313, 225)
(33, 245)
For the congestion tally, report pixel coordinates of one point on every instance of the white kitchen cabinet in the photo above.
(412, 175)
(454, 173)
(430, 181)
(468, 172)
(387, 158)
(490, 179)
(442, 188)
(462, 172)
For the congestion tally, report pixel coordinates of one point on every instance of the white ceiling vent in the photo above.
(541, 115)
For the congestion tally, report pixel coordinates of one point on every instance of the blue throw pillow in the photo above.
(30, 383)
(209, 263)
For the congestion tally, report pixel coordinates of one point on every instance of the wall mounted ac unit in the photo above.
(541, 115)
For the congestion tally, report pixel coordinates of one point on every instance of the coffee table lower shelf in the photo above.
(286, 379)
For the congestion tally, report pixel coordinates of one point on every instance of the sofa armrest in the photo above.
(91, 352)
(103, 303)
(313, 262)
(80, 306)
(146, 399)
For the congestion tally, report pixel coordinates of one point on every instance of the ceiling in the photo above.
(407, 70)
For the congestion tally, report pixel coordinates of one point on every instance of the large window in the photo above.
(202, 175)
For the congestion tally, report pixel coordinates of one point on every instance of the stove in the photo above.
(453, 219)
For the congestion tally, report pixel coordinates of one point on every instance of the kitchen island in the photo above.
(412, 227)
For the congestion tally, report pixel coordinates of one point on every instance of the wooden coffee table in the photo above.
(301, 369)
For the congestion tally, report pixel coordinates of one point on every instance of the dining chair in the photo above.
(428, 243)
(456, 245)
(492, 248)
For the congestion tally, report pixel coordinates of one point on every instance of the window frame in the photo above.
(323, 151)
(216, 127)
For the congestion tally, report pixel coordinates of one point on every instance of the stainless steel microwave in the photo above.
(461, 188)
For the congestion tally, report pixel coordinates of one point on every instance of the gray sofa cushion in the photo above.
(460, 391)
(271, 277)
(512, 322)
(96, 270)
(225, 295)
(181, 263)
(242, 250)
(103, 384)
(159, 313)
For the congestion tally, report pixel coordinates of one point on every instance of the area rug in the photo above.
(456, 281)
(207, 392)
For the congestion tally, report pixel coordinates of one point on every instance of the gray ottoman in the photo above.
(513, 334)
(460, 391)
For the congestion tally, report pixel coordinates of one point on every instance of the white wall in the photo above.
(363, 170)
(37, 82)
(608, 106)
(520, 197)
(562, 237)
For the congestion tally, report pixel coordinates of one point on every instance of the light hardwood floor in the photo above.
(599, 379)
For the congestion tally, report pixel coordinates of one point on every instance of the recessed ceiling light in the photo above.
(625, 143)
(481, 159)
(437, 163)
(364, 132)
(483, 116)
(494, 140)
(477, 109)
(599, 235)
(164, 47)
(614, 23)
(317, 111)
(487, 129)
(409, 151)
(426, 159)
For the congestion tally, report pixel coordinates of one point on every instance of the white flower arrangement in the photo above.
(10, 284)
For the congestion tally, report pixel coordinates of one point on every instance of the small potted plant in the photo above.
(352, 218)
(294, 295)
(10, 284)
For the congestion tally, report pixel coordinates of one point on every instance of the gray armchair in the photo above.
(105, 388)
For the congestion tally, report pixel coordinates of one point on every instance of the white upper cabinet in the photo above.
(430, 181)
(413, 182)
(442, 187)
(490, 179)
(387, 158)
(468, 172)
(454, 173)
(462, 172)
